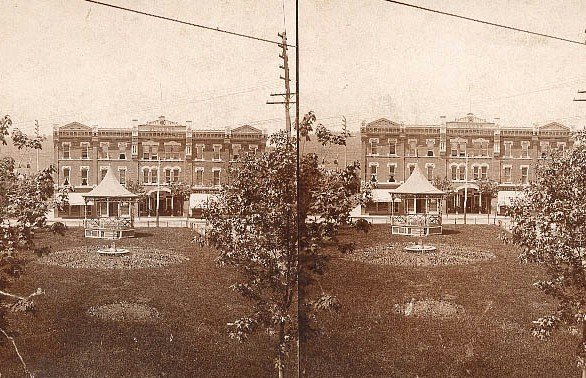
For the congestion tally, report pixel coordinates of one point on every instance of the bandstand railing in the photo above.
(118, 223)
(426, 220)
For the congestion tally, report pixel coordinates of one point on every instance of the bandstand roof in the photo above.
(109, 187)
(417, 183)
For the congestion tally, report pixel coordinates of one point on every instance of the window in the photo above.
(525, 150)
(454, 172)
(392, 169)
(122, 175)
(134, 149)
(412, 148)
(253, 148)
(217, 152)
(216, 173)
(374, 146)
(543, 149)
(454, 150)
(430, 172)
(187, 150)
(146, 153)
(484, 172)
(66, 176)
(462, 149)
(484, 149)
(145, 176)
(104, 153)
(176, 175)
(103, 172)
(462, 173)
(168, 175)
(561, 146)
(199, 177)
(507, 174)
(475, 172)
(66, 151)
(235, 151)
(154, 176)
(430, 145)
(198, 152)
(373, 172)
(508, 149)
(84, 176)
(85, 150)
(524, 175)
(392, 147)
(122, 155)
(154, 152)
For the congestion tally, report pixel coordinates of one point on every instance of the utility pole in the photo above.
(465, 186)
(287, 95)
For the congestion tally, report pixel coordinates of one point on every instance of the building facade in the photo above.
(464, 151)
(154, 154)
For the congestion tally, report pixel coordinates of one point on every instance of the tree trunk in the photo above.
(280, 350)
(583, 341)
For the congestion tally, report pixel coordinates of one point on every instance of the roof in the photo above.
(109, 187)
(417, 183)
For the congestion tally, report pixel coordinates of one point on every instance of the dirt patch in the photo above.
(394, 254)
(125, 312)
(429, 308)
(89, 258)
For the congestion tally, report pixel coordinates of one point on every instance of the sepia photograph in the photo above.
(292, 188)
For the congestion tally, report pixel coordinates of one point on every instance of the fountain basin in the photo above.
(420, 248)
(113, 251)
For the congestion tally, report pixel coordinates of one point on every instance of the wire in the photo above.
(185, 22)
(486, 22)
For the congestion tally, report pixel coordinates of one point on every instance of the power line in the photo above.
(486, 22)
(185, 22)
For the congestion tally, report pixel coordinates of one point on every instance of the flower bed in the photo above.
(124, 311)
(394, 254)
(88, 258)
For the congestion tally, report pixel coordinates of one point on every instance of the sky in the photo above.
(69, 60)
(369, 59)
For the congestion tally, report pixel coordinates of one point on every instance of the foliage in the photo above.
(488, 188)
(180, 190)
(274, 238)
(137, 188)
(253, 226)
(444, 184)
(549, 223)
(24, 202)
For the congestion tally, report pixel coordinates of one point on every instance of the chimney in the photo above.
(188, 124)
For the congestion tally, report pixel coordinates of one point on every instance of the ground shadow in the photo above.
(449, 231)
(142, 234)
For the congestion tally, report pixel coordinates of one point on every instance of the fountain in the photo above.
(420, 247)
(112, 250)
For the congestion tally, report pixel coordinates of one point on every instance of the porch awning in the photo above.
(75, 199)
(381, 195)
(506, 197)
(200, 200)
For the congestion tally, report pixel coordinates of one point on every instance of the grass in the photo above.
(61, 340)
(368, 338)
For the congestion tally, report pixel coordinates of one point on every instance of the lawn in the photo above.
(489, 338)
(187, 339)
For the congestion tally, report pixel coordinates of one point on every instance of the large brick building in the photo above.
(464, 151)
(153, 154)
